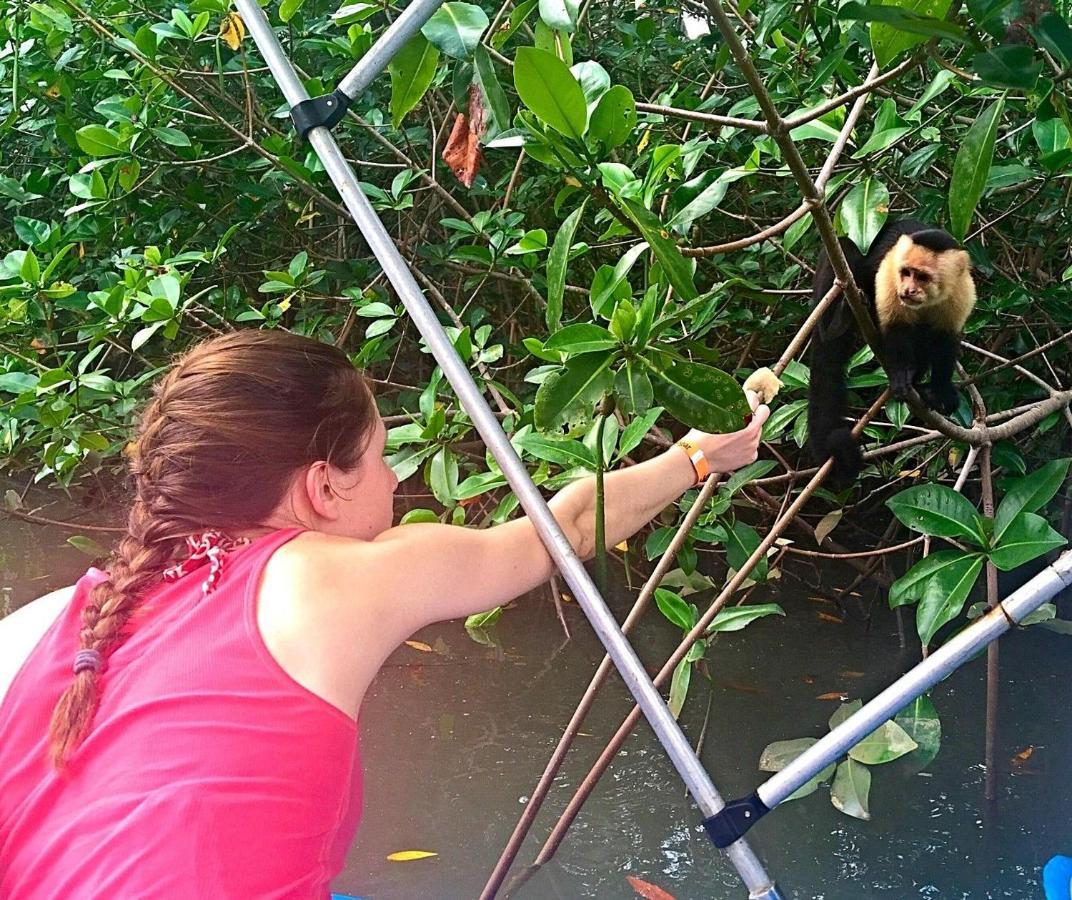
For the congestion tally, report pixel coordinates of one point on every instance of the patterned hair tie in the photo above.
(88, 661)
(210, 547)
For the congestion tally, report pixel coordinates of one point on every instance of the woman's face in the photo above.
(365, 494)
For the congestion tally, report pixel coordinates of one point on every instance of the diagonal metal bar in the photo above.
(558, 546)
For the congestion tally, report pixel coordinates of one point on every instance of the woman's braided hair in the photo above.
(228, 427)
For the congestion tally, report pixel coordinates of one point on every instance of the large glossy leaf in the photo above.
(547, 87)
(1026, 537)
(98, 140)
(886, 743)
(569, 395)
(583, 337)
(944, 595)
(864, 212)
(902, 19)
(851, 788)
(593, 79)
(675, 267)
(1030, 494)
(939, 511)
(455, 28)
(777, 755)
(634, 432)
(971, 168)
(700, 396)
(675, 609)
(742, 540)
(888, 42)
(556, 267)
(412, 71)
(560, 14)
(910, 587)
(632, 386)
(614, 118)
(567, 453)
(1012, 66)
(709, 198)
(679, 687)
(608, 287)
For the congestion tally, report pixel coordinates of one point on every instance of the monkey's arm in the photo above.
(900, 346)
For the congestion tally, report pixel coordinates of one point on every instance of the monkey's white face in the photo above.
(918, 277)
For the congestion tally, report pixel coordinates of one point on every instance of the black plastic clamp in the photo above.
(325, 111)
(731, 823)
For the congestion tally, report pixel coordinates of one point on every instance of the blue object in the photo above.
(1057, 878)
(345, 897)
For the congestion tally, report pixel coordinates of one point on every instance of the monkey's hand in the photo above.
(901, 383)
(942, 398)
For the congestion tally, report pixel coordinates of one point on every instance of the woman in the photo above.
(185, 725)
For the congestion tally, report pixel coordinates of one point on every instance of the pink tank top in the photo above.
(208, 773)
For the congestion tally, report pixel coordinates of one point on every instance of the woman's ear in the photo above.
(319, 493)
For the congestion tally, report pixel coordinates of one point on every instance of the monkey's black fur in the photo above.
(910, 350)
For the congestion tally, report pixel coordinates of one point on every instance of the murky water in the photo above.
(454, 741)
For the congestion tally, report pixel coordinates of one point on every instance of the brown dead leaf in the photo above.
(826, 617)
(462, 152)
(419, 645)
(1023, 756)
(850, 674)
(833, 695)
(232, 30)
(39, 345)
(808, 679)
(744, 688)
(822, 600)
(647, 890)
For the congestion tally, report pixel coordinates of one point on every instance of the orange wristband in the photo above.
(696, 457)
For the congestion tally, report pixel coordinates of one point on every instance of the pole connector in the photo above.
(325, 111)
(731, 822)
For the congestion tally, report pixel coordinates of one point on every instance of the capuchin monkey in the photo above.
(919, 284)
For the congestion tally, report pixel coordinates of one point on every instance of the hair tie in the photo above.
(88, 661)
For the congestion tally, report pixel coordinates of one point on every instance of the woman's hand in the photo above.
(728, 452)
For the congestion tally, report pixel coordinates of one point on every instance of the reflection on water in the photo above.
(454, 740)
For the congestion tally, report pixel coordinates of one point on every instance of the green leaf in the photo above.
(288, 9)
(593, 79)
(582, 337)
(1011, 66)
(1030, 494)
(944, 595)
(31, 231)
(98, 140)
(443, 476)
(864, 212)
(566, 453)
(608, 288)
(675, 609)
(455, 28)
(88, 546)
(886, 743)
(31, 268)
(742, 540)
(560, 14)
(569, 395)
(547, 87)
(676, 269)
(484, 619)
(635, 431)
(939, 511)
(889, 41)
(18, 382)
(777, 755)
(738, 617)
(844, 711)
(910, 587)
(419, 515)
(498, 107)
(412, 70)
(902, 19)
(1044, 613)
(1026, 537)
(921, 723)
(700, 396)
(614, 118)
(709, 198)
(172, 136)
(852, 785)
(971, 168)
(556, 266)
(1053, 34)
(679, 687)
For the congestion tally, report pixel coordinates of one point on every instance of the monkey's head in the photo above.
(927, 269)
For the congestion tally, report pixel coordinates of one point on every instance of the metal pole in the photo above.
(408, 23)
(956, 651)
(666, 729)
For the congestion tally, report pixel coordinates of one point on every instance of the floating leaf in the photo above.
(776, 756)
(886, 743)
(419, 645)
(410, 855)
(852, 785)
(88, 546)
(647, 890)
(921, 722)
(484, 619)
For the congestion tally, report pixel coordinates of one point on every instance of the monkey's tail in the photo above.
(828, 435)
